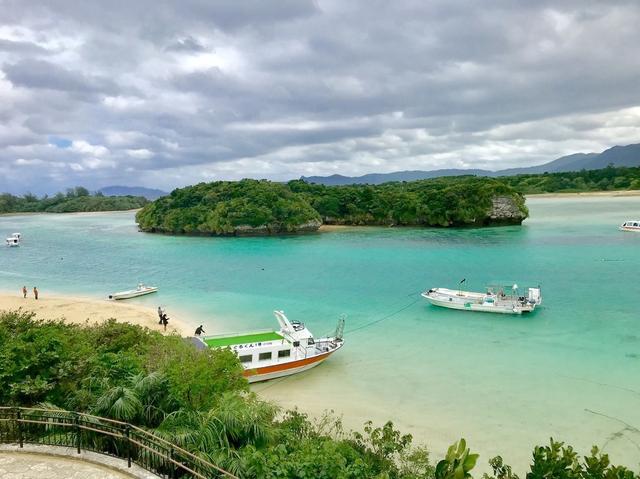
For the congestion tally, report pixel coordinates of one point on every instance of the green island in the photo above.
(75, 200)
(263, 207)
(199, 401)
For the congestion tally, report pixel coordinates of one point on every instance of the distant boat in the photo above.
(497, 299)
(141, 290)
(14, 240)
(633, 225)
(269, 354)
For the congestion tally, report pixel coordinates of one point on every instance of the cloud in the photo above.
(166, 93)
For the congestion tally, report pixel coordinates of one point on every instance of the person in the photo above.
(164, 319)
(35, 292)
(24, 291)
(199, 330)
(160, 313)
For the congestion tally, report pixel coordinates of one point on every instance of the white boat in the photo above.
(14, 240)
(497, 299)
(132, 293)
(631, 225)
(269, 354)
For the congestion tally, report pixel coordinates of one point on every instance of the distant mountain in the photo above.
(148, 193)
(618, 156)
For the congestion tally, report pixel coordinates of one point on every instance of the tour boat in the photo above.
(132, 293)
(497, 299)
(14, 240)
(269, 354)
(633, 225)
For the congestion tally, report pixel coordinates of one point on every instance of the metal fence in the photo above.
(106, 436)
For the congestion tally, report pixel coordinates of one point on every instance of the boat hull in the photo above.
(286, 369)
(472, 307)
(132, 294)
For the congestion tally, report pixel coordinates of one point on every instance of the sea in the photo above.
(570, 371)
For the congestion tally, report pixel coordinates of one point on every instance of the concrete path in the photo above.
(50, 462)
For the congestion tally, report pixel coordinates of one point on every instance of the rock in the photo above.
(506, 211)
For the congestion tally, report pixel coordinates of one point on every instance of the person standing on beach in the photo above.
(164, 320)
(35, 292)
(24, 292)
(160, 313)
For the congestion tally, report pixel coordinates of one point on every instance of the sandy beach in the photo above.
(587, 194)
(79, 310)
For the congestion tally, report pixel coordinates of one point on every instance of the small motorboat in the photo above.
(269, 354)
(497, 299)
(632, 225)
(141, 290)
(14, 240)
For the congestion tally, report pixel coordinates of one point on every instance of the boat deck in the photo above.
(222, 341)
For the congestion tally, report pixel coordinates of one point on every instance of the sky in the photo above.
(164, 93)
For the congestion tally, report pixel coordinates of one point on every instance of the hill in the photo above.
(628, 155)
(148, 193)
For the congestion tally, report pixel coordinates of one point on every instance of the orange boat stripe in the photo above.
(285, 366)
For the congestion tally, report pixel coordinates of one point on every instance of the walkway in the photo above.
(50, 462)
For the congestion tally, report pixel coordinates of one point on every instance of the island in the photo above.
(262, 207)
(75, 200)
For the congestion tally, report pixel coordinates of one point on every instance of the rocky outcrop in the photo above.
(266, 230)
(505, 210)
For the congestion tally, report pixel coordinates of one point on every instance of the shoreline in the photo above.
(29, 213)
(78, 310)
(586, 194)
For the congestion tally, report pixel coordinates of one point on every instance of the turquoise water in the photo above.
(571, 370)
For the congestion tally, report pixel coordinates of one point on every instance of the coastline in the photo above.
(78, 310)
(586, 194)
(69, 213)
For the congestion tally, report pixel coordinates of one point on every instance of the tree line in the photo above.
(200, 401)
(606, 179)
(77, 199)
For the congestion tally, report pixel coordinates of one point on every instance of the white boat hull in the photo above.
(480, 302)
(287, 368)
(132, 294)
(470, 306)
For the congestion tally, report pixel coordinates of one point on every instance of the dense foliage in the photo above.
(229, 207)
(75, 200)
(606, 179)
(251, 206)
(437, 202)
(200, 401)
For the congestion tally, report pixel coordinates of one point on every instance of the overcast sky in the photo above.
(168, 93)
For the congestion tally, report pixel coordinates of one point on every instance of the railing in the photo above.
(106, 436)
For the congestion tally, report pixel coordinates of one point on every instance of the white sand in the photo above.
(606, 194)
(79, 310)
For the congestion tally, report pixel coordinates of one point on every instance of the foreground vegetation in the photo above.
(263, 207)
(200, 401)
(607, 179)
(73, 201)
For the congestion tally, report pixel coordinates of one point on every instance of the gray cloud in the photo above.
(164, 93)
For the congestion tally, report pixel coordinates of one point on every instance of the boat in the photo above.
(14, 240)
(141, 290)
(497, 299)
(269, 354)
(632, 225)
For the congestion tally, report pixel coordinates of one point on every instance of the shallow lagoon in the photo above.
(571, 370)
